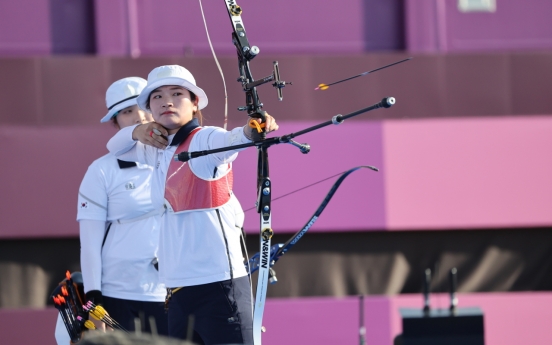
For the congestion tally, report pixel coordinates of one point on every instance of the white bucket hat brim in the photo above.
(173, 79)
(122, 94)
(129, 102)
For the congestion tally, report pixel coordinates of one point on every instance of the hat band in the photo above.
(124, 100)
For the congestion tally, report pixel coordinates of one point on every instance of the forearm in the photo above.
(123, 146)
(92, 233)
(219, 139)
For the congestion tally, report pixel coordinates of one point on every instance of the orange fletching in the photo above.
(68, 274)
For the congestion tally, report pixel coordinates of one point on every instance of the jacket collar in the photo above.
(183, 132)
(124, 165)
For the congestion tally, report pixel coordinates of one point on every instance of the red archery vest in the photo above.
(184, 191)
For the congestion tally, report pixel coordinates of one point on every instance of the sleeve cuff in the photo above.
(94, 296)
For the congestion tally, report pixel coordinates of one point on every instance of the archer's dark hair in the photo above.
(193, 98)
(114, 121)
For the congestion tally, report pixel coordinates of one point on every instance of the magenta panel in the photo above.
(112, 27)
(510, 319)
(438, 25)
(28, 326)
(275, 27)
(468, 173)
(452, 173)
(72, 27)
(321, 321)
(25, 28)
(358, 203)
(175, 27)
(41, 176)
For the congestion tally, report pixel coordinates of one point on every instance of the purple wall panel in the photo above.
(13, 331)
(67, 85)
(318, 321)
(459, 173)
(421, 34)
(55, 184)
(25, 28)
(17, 75)
(514, 25)
(529, 81)
(357, 205)
(174, 27)
(72, 26)
(41, 178)
(384, 24)
(510, 319)
(482, 79)
(435, 174)
(111, 23)
(438, 25)
(276, 27)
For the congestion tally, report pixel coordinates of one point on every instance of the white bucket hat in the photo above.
(122, 94)
(171, 75)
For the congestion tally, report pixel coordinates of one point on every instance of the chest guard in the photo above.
(184, 191)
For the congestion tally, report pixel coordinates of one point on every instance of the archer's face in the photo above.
(172, 107)
(131, 116)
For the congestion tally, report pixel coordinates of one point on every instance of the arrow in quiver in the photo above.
(68, 299)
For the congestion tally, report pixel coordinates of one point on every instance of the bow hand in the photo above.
(257, 127)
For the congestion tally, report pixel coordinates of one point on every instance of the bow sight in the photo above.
(246, 53)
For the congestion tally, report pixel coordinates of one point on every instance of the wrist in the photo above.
(94, 296)
(135, 132)
(247, 132)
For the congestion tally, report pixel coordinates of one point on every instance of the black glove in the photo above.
(95, 296)
(251, 130)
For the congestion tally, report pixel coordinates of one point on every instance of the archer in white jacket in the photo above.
(200, 258)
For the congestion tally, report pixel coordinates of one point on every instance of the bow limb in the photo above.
(278, 250)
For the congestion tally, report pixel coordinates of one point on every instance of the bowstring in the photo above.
(218, 65)
(300, 189)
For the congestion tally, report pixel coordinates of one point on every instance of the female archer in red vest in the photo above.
(200, 259)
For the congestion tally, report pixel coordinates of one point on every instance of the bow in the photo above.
(246, 52)
(277, 250)
(253, 106)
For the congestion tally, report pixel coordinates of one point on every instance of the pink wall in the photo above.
(510, 319)
(41, 176)
(434, 174)
(357, 205)
(438, 26)
(43, 27)
(173, 27)
(25, 28)
(468, 173)
(28, 326)
(112, 27)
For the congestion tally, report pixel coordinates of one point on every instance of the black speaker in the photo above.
(459, 326)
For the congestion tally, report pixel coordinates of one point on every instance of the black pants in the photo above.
(124, 311)
(222, 312)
